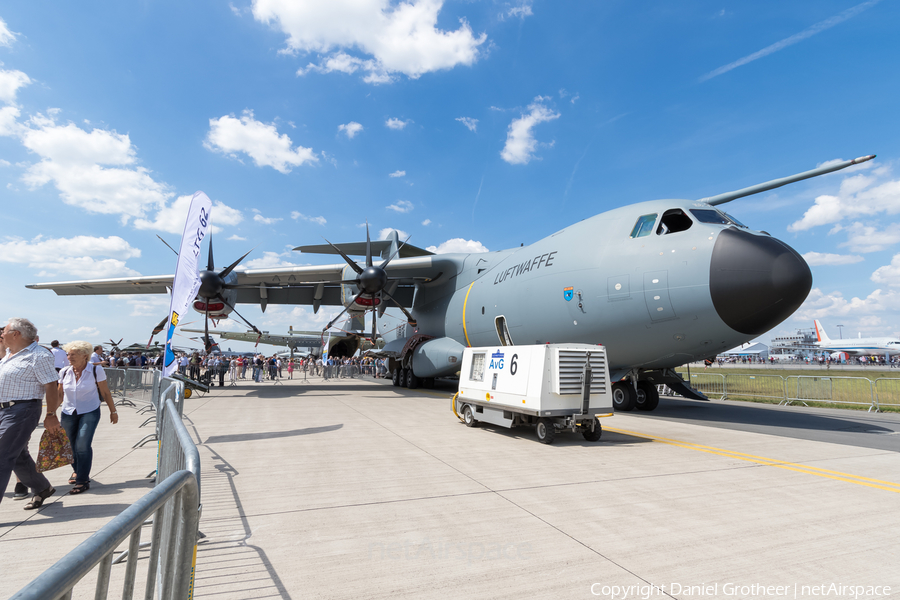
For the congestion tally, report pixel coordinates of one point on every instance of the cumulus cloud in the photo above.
(9, 125)
(237, 238)
(264, 220)
(471, 124)
(393, 37)
(862, 194)
(819, 305)
(260, 141)
(10, 82)
(93, 170)
(269, 260)
(73, 257)
(317, 220)
(458, 245)
(397, 174)
(818, 259)
(426, 222)
(145, 305)
(401, 206)
(397, 123)
(888, 274)
(865, 238)
(7, 37)
(351, 128)
(520, 142)
(171, 217)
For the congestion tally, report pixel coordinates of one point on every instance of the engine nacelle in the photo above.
(437, 358)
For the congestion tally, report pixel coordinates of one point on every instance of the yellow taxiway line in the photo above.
(771, 462)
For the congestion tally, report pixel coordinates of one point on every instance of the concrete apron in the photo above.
(356, 489)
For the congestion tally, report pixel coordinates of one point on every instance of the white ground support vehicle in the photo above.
(553, 387)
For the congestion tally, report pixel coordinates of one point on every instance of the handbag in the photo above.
(54, 451)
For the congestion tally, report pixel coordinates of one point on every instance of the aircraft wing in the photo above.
(282, 285)
(311, 341)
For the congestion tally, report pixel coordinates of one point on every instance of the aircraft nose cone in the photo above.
(756, 281)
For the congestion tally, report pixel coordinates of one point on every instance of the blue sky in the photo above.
(468, 125)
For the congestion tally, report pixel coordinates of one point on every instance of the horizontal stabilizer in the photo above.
(359, 249)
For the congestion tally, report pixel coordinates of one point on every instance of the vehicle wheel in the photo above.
(623, 396)
(545, 431)
(469, 416)
(395, 376)
(412, 382)
(188, 392)
(593, 436)
(647, 397)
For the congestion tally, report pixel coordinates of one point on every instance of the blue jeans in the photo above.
(80, 429)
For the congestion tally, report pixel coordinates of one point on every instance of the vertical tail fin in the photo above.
(820, 332)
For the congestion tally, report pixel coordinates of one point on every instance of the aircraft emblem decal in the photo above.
(568, 293)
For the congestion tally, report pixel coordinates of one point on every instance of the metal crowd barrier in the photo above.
(174, 505)
(859, 391)
(833, 390)
(170, 568)
(755, 386)
(887, 392)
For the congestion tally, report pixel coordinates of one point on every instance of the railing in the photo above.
(831, 390)
(755, 386)
(859, 391)
(174, 505)
(170, 568)
(887, 392)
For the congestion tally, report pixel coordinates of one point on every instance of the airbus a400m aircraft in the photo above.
(659, 283)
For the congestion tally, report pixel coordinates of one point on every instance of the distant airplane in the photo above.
(659, 284)
(873, 346)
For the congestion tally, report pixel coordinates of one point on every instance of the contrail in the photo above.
(820, 26)
(478, 195)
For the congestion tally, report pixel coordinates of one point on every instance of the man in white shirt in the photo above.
(26, 377)
(96, 357)
(60, 359)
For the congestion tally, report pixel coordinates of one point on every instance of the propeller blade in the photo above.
(395, 253)
(249, 324)
(368, 246)
(340, 314)
(210, 264)
(159, 327)
(231, 267)
(374, 325)
(352, 264)
(206, 341)
(409, 317)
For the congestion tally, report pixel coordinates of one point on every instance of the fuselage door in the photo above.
(503, 331)
(656, 294)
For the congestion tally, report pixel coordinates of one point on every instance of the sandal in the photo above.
(80, 488)
(38, 499)
(73, 479)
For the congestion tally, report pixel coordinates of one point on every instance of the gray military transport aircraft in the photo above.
(659, 283)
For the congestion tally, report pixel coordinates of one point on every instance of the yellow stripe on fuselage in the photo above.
(466, 301)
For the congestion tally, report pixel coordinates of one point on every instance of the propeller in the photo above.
(371, 282)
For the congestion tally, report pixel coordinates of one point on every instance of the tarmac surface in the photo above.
(357, 489)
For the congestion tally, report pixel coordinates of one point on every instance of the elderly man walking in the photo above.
(27, 375)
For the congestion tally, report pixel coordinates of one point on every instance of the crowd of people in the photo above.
(259, 367)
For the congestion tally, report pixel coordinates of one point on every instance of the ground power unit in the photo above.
(551, 387)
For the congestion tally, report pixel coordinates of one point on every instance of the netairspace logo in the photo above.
(756, 590)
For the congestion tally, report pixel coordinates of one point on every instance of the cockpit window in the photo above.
(709, 215)
(673, 221)
(644, 226)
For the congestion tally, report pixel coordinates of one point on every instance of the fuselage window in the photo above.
(673, 221)
(644, 226)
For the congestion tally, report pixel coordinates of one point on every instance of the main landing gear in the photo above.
(404, 377)
(626, 397)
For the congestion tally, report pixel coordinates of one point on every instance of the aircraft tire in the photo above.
(647, 398)
(623, 396)
(545, 431)
(593, 436)
(395, 377)
(412, 382)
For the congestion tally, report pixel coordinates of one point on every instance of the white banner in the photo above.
(187, 277)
